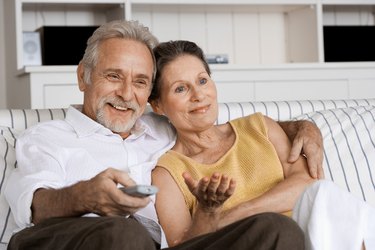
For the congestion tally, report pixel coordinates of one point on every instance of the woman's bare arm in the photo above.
(172, 211)
(210, 192)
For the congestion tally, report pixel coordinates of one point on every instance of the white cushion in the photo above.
(349, 154)
(7, 163)
(24, 118)
(284, 110)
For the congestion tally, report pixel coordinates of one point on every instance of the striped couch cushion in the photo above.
(284, 110)
(7, 163)
(24, 118)
(349, 148)
(278, 110)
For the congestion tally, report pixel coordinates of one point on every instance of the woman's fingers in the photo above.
(213, 184)
(224, 185)
(211, 191)
(231, 188)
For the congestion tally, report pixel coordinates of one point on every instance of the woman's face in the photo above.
(188, 95)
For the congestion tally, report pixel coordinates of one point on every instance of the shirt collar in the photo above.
(140, 128)
(85, 126)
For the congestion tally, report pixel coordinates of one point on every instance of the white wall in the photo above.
(344, 15)
(3, 95)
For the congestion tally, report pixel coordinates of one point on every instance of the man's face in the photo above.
(120, 85)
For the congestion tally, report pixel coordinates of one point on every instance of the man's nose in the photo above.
(125, 90)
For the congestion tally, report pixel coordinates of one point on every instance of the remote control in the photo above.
(140, 190)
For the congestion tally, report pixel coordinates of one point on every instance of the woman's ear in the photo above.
(156, 108)
(81, 81)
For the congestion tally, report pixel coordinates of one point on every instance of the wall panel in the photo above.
(246, 38)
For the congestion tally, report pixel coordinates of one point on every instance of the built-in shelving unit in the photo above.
(277, 39)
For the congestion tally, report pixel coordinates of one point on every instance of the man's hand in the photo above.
(307, 140)
(98, 195)
(212, 192)
(104, 198)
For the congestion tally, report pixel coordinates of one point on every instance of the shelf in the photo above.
(226, 67)
(46, 69)
(273, 45)
(32, 14)
(74, 1)
(223, 2)
(220, 6)
(248, 33)
(349, 2)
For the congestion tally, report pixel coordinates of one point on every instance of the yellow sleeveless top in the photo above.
(252, 161)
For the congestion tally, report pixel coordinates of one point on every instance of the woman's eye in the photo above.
(179, 89)
(203, 81)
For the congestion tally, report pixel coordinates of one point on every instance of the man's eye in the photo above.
(202, 81)
(179, 89)
(141, 83)
(113, 77)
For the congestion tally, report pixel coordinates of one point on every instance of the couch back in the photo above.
(23, 118)
(278, 110)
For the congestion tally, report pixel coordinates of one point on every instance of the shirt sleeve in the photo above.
(38, 166)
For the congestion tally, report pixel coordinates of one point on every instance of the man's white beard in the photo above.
(117, 125)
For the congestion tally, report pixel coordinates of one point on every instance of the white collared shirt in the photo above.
(59, 153)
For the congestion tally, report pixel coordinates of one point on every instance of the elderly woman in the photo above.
(242, 166)
(218, 174)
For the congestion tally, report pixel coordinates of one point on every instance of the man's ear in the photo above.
(81, 81)
(156, 107)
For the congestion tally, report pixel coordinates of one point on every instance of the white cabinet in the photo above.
(249, 32)
(55, 88)
(273, 46)
(308, 81)
(58, 87)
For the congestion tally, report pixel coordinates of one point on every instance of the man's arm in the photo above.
(99, 195)
(48, 203)
(307, 140)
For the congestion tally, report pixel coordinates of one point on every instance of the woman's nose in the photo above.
(197, 94)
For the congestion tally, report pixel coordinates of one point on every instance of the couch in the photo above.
(348, 129)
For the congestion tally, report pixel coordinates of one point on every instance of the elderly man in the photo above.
(65, 192)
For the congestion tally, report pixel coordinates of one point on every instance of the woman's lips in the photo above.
(200, 109)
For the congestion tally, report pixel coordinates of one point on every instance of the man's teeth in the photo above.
(120, 108)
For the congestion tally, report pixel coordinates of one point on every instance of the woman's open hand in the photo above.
(211, 192)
